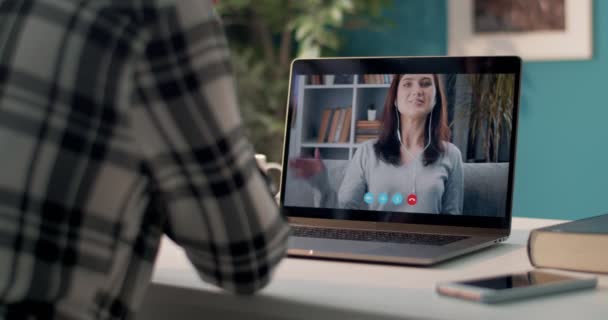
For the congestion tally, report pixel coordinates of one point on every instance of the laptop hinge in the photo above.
(398, 227)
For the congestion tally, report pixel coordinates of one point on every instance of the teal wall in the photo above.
(562, 152)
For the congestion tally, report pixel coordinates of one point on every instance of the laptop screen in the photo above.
(401, 139)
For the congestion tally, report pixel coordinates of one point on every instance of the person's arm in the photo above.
(324, 196)
(188, 126)
(354, 185)
(454, 187)
(313, 171)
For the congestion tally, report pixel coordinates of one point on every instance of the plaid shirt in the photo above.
(118, 123)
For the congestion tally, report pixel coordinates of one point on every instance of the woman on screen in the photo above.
(411, 167)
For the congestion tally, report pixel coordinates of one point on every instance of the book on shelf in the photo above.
(325, 121)
(315, 79)
(376, 78)
(345, 132)
(334, 125)
(578, 245)
(362, 138)
(328, 79)
(341, 115)
(365, 131)
(367, 124)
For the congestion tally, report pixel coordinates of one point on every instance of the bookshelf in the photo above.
(343, 97)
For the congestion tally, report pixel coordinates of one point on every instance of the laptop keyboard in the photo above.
(377, 236)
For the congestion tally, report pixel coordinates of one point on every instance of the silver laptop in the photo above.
(405, 160)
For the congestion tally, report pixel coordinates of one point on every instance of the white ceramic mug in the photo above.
(266, 167)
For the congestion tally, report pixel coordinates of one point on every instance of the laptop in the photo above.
(401, 160)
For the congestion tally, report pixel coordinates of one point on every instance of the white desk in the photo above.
(316, 289)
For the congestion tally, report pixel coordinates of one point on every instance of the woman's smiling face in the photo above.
(416, 95)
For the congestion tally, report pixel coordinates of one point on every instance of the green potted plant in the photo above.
(491, 111)
(266, 35)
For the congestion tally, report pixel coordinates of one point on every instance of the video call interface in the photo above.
(401, 143)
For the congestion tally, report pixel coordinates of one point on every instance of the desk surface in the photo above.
(305, 289)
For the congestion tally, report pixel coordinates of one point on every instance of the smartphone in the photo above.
(515, 286)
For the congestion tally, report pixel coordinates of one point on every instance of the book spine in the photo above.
(368, 125)
(336, 137)
(334, 125)
(325, 121)
(346, 125)
(530, 245)
(365, 131)
(552, 247)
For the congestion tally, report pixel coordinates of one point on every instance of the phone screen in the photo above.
(518, 280)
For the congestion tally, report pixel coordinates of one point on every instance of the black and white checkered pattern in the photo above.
(118, 123)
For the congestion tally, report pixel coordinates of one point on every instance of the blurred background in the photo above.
(562, 151)
(266, 35)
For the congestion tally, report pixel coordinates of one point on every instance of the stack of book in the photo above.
(335, 125)
(366, 130)
(376, 78)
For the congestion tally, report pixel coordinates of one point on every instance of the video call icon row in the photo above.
(383, 198)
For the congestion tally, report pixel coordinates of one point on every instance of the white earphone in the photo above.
(398, 124)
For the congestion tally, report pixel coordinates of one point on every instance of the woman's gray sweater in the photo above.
(439, 186)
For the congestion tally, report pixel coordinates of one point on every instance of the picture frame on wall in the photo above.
(535, 30)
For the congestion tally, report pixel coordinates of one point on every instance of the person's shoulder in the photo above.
(369, 145)
(450, 147)
(452, 151)
(366, 148)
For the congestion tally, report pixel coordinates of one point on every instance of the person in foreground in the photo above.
(411, 167)
(118, 123)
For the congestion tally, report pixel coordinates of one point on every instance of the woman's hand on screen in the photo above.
(307, 167)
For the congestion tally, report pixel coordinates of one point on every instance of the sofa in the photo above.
(485, 186)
